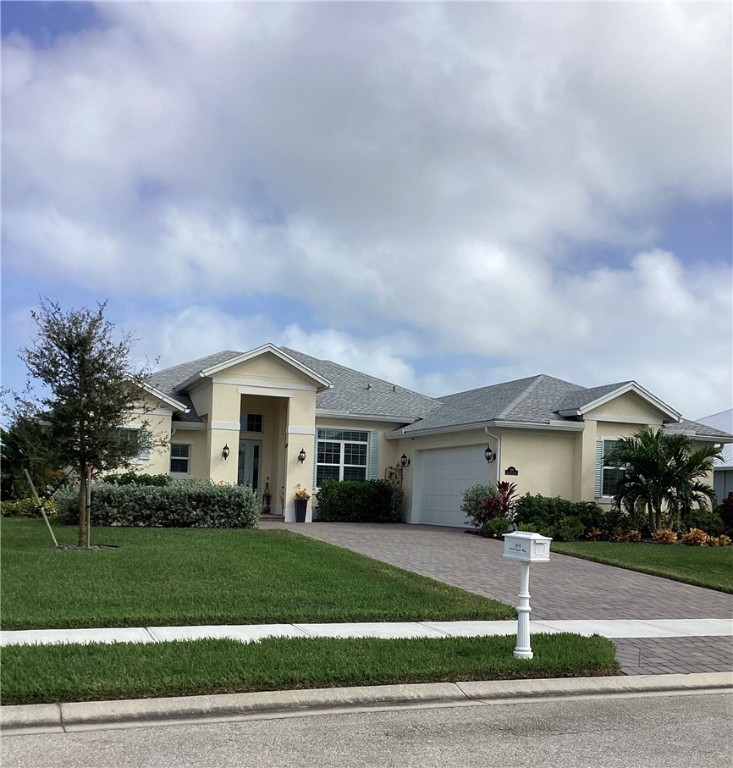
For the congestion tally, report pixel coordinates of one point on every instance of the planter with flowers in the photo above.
(301, 504)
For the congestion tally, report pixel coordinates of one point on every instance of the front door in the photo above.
(249, 463)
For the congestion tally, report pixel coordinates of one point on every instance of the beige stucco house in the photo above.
(276, 418)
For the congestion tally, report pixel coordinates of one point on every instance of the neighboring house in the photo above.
(723, 475)
(278, 417)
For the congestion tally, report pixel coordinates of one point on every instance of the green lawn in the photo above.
(40, 674)
(192, 576)
(710, 567)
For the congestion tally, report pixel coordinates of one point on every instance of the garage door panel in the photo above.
(444, 475)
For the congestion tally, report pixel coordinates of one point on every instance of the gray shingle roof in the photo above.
(696, 429)
(169, 378)
(582, 395)
(531, 400)
(359, 394)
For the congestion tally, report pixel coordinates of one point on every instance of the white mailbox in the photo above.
(527, 547)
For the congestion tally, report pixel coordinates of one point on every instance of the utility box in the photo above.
(527, 547)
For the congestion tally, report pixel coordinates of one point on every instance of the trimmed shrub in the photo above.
(665, 536)
(695, 538)
(186, 504)
(476, 503)
(133, 478)
(359, 501)
(719, 541)
(27, 508)
(560, 518)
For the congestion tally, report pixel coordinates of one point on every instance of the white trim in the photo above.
(631, 386)
(231, 426)
(554, 426)
(300, 431)
(184, 425)
(244, 357)
(363, 417)
(165, 398)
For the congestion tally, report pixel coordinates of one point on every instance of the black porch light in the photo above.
(225, 452)
(301, 455)
(489, 455)
(404, 461)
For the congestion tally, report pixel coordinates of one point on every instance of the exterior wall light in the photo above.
(404, 461)
(225, 452)
(489, 455)
(301, 455)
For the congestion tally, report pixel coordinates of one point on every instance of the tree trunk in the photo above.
(83, 541)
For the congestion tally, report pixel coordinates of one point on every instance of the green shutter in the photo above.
(599, 468)
(373, 467)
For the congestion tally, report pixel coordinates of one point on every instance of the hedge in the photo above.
(186, 504)
(562, 519)
(357, 501)
(27, 508)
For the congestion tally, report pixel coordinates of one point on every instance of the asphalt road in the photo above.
(669, 731)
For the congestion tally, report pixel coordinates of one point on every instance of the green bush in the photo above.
(725, 510)
(704, 520)
(357, 501)
(474, 503)
(133, 478)
(27, 508)
(495, 527)
(186, 504)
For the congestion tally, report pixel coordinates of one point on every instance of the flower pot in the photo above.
(300, 507)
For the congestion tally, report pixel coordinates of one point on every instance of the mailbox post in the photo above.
(526, 548)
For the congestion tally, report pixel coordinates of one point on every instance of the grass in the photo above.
(47, 674)
(159, 577)
(710, 567)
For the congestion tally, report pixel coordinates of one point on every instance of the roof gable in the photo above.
(582, 402)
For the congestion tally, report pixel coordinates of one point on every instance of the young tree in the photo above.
(662, 473)
(90, 391)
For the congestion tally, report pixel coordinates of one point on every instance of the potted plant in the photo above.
(301, 503)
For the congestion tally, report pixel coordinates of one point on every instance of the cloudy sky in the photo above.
(444, 195)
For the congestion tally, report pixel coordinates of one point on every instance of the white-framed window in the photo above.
(139, 438)
(607, 477)
(341, 454)
(250, 422)
(180, 458)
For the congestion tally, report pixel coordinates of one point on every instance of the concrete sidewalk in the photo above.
(654, 628)
(95, 715)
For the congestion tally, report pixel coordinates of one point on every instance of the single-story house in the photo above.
(723, 473)
(274, 418)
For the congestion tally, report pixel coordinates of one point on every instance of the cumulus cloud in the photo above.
(423, 176)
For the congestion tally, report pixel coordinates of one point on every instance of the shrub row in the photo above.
(133, 478)
(565, 520)
(27, 508)
(351, 501)
(186, 504)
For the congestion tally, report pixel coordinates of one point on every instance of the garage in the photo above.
(441, 477)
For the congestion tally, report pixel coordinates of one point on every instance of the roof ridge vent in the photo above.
(369, 385)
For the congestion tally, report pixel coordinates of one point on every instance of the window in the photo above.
(180, 457)
(341, 455)
(250, 422)
(140, 439)
(610, 476)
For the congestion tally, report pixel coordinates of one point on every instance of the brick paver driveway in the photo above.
(564, 588)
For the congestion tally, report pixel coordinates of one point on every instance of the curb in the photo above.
(76, 716)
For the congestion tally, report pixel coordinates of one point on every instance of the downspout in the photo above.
(498, 451)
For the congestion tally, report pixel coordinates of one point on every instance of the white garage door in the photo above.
(443, 476)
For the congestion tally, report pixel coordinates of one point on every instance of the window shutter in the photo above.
(599, 468)
(373, 468)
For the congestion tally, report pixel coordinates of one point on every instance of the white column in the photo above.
(523, 649)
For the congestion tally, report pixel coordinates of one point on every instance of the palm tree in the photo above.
(662, 472)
